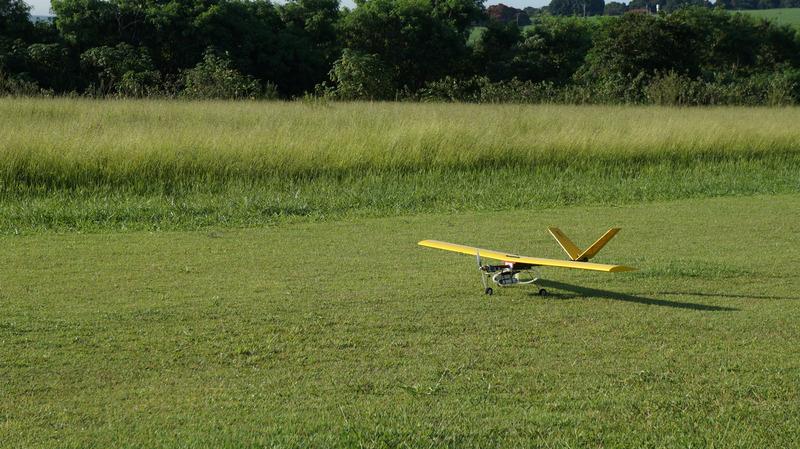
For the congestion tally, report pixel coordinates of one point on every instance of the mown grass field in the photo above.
(246, 275)
(347, 334)
(785, 16)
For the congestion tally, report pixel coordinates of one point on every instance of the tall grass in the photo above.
(82, 164)
(142, 144)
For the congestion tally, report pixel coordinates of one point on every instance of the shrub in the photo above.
(360, 76)
(516, 91)
(214, 78)
(17, 87)
(453, 89)
(140, 84)
(781, 90)
(122, 70)
(482, 90)
(615, 88)
(673, 89)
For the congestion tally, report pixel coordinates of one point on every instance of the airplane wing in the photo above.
(507, 257)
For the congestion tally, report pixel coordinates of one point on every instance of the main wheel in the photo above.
(542, 292)
(489, 291)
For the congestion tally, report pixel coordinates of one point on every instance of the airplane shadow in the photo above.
(724, 295)
(586, 291)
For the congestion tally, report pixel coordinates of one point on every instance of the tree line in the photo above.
(393, 50)
(616, 8)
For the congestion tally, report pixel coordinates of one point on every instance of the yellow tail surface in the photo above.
(566, 244)
(574, 252)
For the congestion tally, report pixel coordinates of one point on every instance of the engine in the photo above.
(508, 277)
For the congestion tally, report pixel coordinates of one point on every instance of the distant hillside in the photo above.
(787, 16)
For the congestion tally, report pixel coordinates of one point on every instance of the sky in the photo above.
(42, 7)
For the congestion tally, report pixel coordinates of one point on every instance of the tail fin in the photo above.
(566, 244)
(574, 252)
(598, 245)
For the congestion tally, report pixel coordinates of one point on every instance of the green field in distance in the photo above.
(785, 16)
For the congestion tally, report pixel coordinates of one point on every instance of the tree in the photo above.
(551, 50)
(649, 5)
(577, 7)
(640, 43)
(311, 32)
(291, 46)
(738, 42)
(15, 20)
(52, 66)
(249, 33)
(122, 69)
(86, 23)
(674, 5)
(420, 40)
(495, 49)
(16, 31)
(614, 9)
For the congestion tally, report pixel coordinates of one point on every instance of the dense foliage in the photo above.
(398, 49)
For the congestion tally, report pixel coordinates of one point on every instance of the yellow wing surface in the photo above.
(508, 257)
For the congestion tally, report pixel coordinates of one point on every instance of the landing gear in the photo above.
(507, 274)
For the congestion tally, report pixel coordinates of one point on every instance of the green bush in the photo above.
(453, 90)
(140, 84)
(480, 89)
(774, 89)
(781, 90)
(17, 87)
(214, 78)
(516, 91)
(360, 76)
(122, 70)
(673, 89)
(664, 89)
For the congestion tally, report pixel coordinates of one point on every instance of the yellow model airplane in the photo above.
(514, 265)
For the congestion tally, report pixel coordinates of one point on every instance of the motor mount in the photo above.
(493, 268)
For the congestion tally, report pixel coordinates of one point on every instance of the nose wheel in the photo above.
(543, 292)
(489, 291)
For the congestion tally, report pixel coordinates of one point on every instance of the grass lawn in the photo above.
(346, 333)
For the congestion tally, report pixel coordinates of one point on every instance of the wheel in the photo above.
(542, 292)
(489, 291)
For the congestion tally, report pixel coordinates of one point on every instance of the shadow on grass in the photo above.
(593, 292)
(724, 295)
